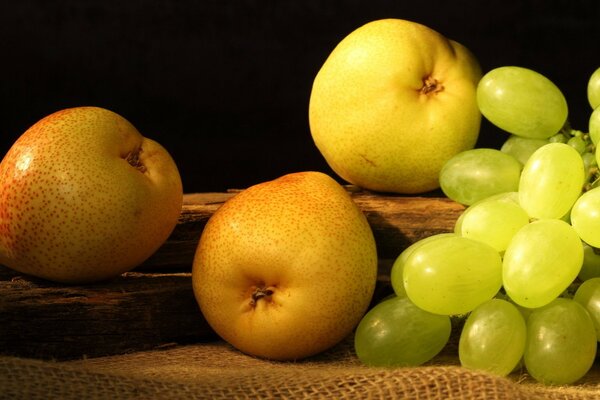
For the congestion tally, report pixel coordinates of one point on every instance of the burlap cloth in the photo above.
(216, 371)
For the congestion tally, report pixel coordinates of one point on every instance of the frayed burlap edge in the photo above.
(217, 371)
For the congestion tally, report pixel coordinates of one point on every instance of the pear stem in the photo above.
(259, 293)
(431, 85)
(133, 159)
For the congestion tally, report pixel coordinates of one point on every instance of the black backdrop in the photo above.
(224, 84)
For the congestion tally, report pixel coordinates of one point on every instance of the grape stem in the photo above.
(593, 172)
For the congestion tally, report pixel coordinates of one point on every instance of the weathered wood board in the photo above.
(397, 221)
(154, 306)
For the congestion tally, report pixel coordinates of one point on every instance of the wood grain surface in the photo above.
(154, 305)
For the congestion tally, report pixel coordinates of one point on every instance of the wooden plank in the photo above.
(397, 221)
(136, 311)
(154, 305)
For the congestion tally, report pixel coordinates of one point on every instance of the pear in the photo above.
(85, 197)
(286, 268)
(392, 103)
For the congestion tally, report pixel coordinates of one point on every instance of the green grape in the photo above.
(593, 89)
(475, 174)
(589, 161)
(522, 102)
(541, 261)
(551, 181)
(591, 263)
(585, 217)
(493, 338)
(397, 333)
(511, 197)
(558, 138)
(452, 275)
(578, 144)
(396, 272)
(597, 153)
(521, 148)
(561, 342)
(492, 221)
(594, 125)
(588, 295)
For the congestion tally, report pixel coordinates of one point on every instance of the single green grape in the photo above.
(588, 295)
(578, 144)
(558, 138)
(585, 217)
(543, 258)
(561, 342)
(452, 275)
(398, 333)
(597, 153)
(551, 181)
(521, 148)
(492, 221)
(589, 160)
(594, 125)
(510, 197)
(591, 263)
(475, 174)
(522, 102)
(493, 338)
(396, 272)
(593, 89)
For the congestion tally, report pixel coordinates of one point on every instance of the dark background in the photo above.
(224, 84)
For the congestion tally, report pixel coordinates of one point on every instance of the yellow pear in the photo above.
(392, 103)
(85, 197)
(286, 268)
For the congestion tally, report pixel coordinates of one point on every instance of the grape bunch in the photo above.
(521, 270)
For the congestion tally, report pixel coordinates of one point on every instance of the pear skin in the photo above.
(286, 268)
(392, 103)
(85, 197)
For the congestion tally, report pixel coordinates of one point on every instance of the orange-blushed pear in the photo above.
(286, 268)
(85, 197)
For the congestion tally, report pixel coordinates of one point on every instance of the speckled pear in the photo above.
(85, 197)
(286, 268)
